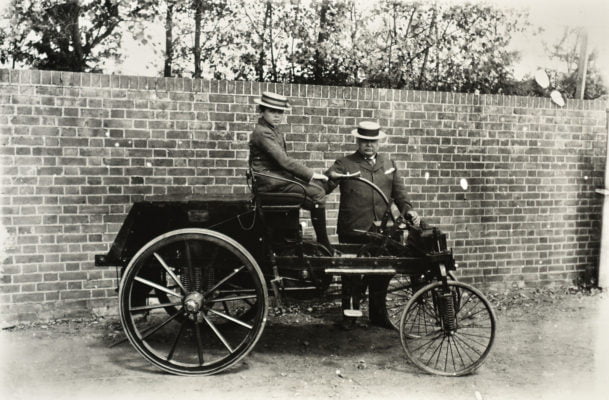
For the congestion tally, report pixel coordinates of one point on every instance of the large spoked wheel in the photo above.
(447, 329)
(212, 308)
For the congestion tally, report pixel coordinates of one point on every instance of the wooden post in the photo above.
(582, 65)
(603, 268)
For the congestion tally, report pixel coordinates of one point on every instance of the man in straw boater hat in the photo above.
(268, 155)
(360, 206)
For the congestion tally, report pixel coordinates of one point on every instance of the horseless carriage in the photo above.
(196, 277)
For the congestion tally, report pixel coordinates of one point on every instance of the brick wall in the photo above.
(78, 149)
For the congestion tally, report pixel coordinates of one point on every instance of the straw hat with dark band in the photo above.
(368, 130)
(273, 100)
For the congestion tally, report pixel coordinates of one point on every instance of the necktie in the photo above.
(371, 161)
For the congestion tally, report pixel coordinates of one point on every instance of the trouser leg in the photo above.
(351, 291)
(318, 218)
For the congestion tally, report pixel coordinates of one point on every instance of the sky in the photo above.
(551, 15)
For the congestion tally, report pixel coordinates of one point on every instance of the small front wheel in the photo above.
(447, 329)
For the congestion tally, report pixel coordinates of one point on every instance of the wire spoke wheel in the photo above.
(447, 329)
(193, 302)
(399, 291)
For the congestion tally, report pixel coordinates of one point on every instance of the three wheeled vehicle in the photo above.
(196, 277)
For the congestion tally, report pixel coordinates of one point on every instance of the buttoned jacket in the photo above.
(268, 154)
(360, 205)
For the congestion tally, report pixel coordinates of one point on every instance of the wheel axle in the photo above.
(193, 302)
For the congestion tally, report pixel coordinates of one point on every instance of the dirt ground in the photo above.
(550, 344)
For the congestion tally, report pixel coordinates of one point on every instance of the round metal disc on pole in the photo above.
(542, 78)
(557, 98)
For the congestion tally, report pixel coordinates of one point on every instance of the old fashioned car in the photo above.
(197, 278)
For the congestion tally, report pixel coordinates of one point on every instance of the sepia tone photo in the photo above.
(316, 199)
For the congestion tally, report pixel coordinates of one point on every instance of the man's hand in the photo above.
(320, 177)
(414, 218)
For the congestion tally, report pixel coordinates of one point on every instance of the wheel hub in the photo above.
(193, 302)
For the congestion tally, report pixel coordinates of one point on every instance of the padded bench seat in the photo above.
(289, 200)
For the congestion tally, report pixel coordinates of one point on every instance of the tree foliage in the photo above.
(394, 44)
(566, 51)
(460, 47)
(72, 35)
(444, 47)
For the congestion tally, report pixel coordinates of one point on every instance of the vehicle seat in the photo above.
(279, 212)
(275, 200)
(279, 199)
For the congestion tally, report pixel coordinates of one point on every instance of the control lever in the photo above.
(337, 175)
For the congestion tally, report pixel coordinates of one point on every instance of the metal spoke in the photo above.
(467, 344)
(191, 277)
(420, 322)
(157, 286)
(470, 316)
(462, 306)
(457, 344)
(440, 351)
(218, 300)
(218, 334)
(150, 331)
(447, 348)
(430, 334)
(458, 352)
(427, 345)
(154, 306)
(473, 334)
(428, 309)
(176, 340)
(452, 355)
(170, 272)
(427, 342)
(434, 352)
(472, 340)
(199, 342)
(414, 320)
(228, 317)
(217, 285)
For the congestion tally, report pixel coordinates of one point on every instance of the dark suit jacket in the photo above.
(268, 154)
(360, 205)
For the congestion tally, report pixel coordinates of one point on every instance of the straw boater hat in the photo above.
(368, 130)
(273, 100)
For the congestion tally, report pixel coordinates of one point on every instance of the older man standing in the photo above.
(360, 205)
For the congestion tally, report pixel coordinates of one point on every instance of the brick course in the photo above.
(78, 149)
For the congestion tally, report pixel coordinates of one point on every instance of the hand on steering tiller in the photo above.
(414, 218)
